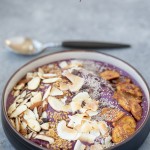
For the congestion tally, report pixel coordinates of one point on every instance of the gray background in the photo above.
(55, 20)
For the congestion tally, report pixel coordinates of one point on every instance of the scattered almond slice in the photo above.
(12, 108)
(18, 111)
(51, 80)
(23, 94)
(16, 93)
(28, 114)
(49, 75)
(12, 123)
(36, 113)
(63, 64)
(45, 126)
(19, 86)
(47, 92)
(77, 82)
(45, 138)
(17, 122)
(66, 133)
(44, 114)
(55, 103)
(33, 125)
(23, 125)
(55, 92)
(34, 83)
(36, 100)
(79, 146)
(64, 86)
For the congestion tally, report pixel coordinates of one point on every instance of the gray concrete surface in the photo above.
(56, 20)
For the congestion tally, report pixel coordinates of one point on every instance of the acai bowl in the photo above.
(76, 100)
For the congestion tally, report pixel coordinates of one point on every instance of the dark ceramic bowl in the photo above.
(19, 142)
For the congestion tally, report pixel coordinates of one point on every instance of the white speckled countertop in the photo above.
(56, 20)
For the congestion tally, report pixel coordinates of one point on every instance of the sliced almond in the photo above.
(28, 114)
(29, 75)
(36, 100)
(23, 125)
(55, 103)
(17, 122)
(77, 82)
(44, 114)
(55, 92)
(45, 126)
(47, 92)
(34, 83)
(79, 146)
(12, 123)
(44, 105)
(29, 135)
(63, 64)
(50, 80)
(64, 86)
(45, 138)
(19, 86)
(49, 75)
(18, 111)
(66, 133)
(12, 107)
(96, 147)
(16, 93)
(91, 113)
(36, 113)
(33, 124)
(20, 100)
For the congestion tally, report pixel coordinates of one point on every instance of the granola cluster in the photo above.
(54, 106)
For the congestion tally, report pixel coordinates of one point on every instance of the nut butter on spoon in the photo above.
(28, 46)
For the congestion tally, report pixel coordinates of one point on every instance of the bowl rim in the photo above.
(66, 51)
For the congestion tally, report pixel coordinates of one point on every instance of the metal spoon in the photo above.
(28, 46)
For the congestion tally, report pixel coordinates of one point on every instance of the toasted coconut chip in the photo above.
(64, 86)
(92, 105)
(75, 106)
(17, 122)
(45, 126)
(55, 103)
(63, 64)
(33, 125)
(82, 110)
(77, 82)
(79, 146)
(45, 138)
(28, 114)
(66, 133)
(34, 83)
(36, 113)
(75, 120)
(47, 92)
(103, 127)
(76, 63)
(91, 113)
(12, 108)
(51, 80)
(89, 137)
(18, 111)
(55, 92)
(86, 127)
(19, 86)
(96, 147)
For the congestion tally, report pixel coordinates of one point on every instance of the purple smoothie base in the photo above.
(104, 96)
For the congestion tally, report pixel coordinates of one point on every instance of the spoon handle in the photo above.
(92, 44)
